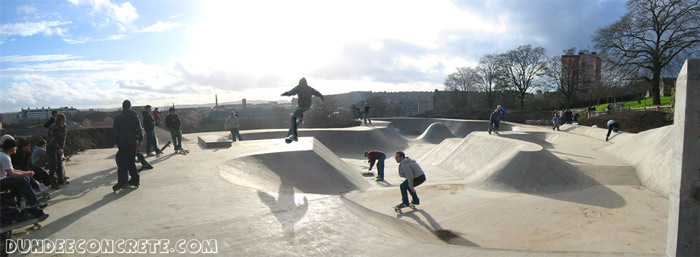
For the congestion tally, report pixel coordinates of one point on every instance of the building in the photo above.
(588, 65)
(44, 113)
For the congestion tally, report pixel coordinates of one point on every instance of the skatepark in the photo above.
(529, 191)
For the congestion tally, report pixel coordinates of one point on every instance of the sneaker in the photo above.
(118, 187)
(150, 154)
(402, 205)
(415, 202)
(379, 179)
(133, 185)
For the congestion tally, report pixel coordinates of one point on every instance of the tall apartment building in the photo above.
(588, 65)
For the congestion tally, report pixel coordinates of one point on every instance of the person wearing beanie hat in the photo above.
(16, 180)
(305, 93)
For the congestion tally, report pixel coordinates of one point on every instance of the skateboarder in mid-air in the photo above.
(409, 169)
(305, 93)
(613, 125)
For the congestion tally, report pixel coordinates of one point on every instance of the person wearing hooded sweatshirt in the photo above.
(409, 169)
(128, 136)
(305, 93)
(495, 119)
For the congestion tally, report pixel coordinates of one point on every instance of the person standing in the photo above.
(379, 157)
(365, 114)
(149, 125)
(409, 169)
(55, 143)
(305, 93)
(555, 121)
(613, 125)
(127, 136)
(156, 116)
(48, 123)
(494, 120)
(503, 113)
(233, 125)
(172, 121)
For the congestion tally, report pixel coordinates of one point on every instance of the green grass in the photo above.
(666, 100)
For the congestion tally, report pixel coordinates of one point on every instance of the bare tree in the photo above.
(464, 79)
(488, 74)
(650, 36)
(522, 67)
(565, 73)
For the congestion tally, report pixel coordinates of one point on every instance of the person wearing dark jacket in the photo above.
(379, 157)
(172, 121)
(21, 160)
(56, 141)
(613, 125)
(39, 161)
(305, 93)
(494, 120)
(127, 136)
(149, 125)
(51, 120)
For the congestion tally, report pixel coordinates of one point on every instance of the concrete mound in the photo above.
(460, 128)
(502, 164)
(315, 171)
(436, 133)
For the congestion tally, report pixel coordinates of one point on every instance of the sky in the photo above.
(96, 53)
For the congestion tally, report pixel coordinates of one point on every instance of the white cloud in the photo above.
(26, 9)
(31, 28)
(162, 26)
(123, 14)
(37, 58)
(89, 39)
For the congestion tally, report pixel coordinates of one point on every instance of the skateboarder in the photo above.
(613, 125)
(233, 125)
(495, 119)
(305, 93)
(409, 169)
(379, 157)
(172, 121)
(365, 113)
(128, 136)
(54, 148)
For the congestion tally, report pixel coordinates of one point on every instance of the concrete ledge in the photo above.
(214, 141)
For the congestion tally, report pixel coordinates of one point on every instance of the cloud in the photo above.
(26, 9)
(162, 26)
(31, 28)
(122, 14)
(37, 58)
(89, 39)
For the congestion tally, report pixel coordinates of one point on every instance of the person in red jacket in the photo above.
(379, 157)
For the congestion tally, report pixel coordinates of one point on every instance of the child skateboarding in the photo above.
(305, 93)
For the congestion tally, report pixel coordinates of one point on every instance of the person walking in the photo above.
(232, 124)
(128, 136)
(613, 125)
(305, 93)
(172, 121)
(503, 113)
(149, 125)
(555, 121)
(409, 169)
(55, 143)
(379, 157)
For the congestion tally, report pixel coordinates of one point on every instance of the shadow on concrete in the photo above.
(532, 137)
(384, 183)
(596, 195)
(285, 209)
(432, 225)
(52, 228)
(80, 186)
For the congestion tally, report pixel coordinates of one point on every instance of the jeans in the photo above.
(176, 135)
(297, 118)
(151, 141)
(235, 133)
(404, 189)
(366, 118)
(20, 185)
(55, 167)
(125, 164)
(494, 124)
(380, 166)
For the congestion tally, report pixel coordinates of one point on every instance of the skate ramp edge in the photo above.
(315, 171)
(502, 164)
(391, 225)
(647, 151)
(436, 133)
(459, 128)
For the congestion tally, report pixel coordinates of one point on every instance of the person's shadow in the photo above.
(285, 209)
(445, 235)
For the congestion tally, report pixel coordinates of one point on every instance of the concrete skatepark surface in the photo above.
(529, 191)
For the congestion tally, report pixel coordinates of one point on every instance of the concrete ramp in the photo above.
(501, 164)
(211, 141)
(315, 170)
(436, 133)
(460, 128)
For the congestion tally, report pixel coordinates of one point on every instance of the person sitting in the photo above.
(21, 161)
(16, 180)
(39, 161)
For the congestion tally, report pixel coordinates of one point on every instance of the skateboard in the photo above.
(165, 146)
(399, 210)
(35, 221)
